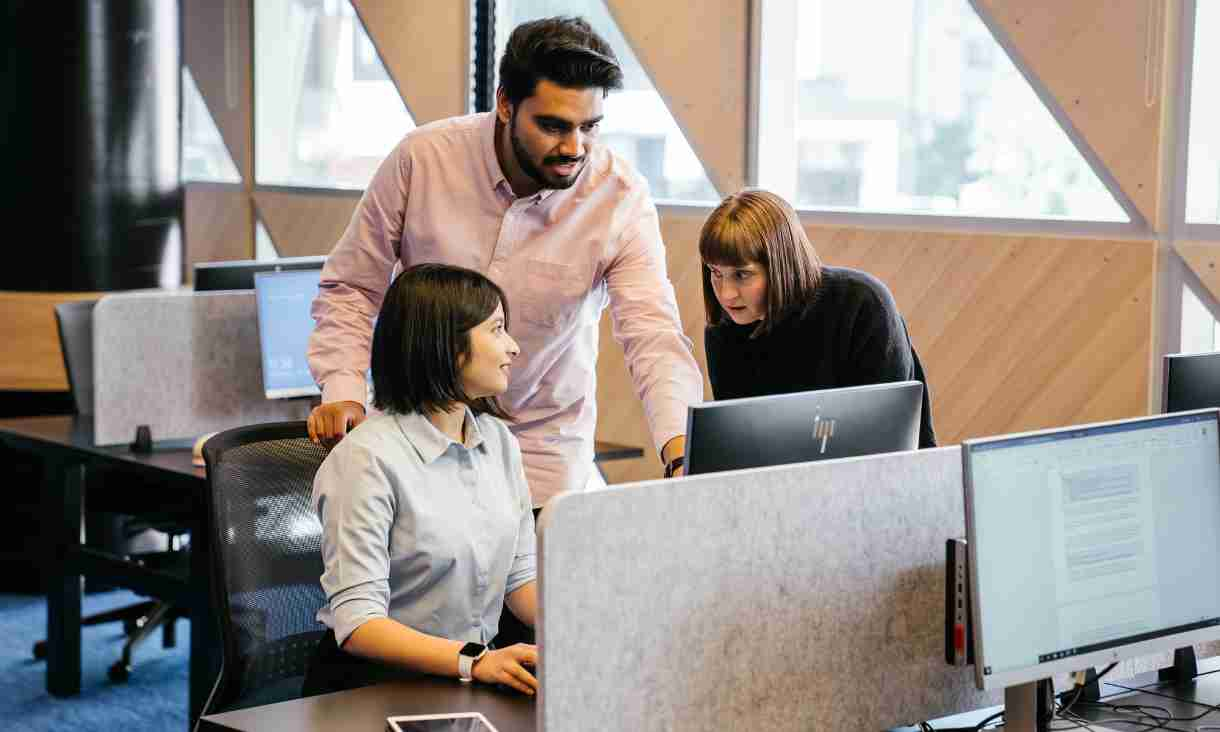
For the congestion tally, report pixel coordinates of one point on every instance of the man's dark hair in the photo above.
(422, 332)
(564, 50)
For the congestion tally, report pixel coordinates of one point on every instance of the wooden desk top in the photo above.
(368, 708)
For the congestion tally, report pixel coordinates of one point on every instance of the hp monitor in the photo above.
(1192, 381)
(1090, 544)
(732, 434)
(239, 275)
(284, 325)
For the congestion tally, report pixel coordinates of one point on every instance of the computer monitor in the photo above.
(239, 274)
(732, 434)
(1192, 381)
(284, 325)
(1091, 544)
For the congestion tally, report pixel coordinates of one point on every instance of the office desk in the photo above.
(163, 482)
(368, 708)
(1181, 700)
(171, 485)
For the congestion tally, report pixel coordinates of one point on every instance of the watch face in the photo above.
(472, 649)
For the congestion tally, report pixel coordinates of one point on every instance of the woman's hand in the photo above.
(508, 666)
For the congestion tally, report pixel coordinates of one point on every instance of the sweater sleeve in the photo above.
(880, 350)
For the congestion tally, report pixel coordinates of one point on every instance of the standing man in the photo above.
(525, 195)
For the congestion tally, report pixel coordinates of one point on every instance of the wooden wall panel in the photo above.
(30, 357)
(219, 224)
(425, 49)
(1102, 61)
(697, 54)
(216, 47)
(1203, 258)
(1015, 332)
(305, 224)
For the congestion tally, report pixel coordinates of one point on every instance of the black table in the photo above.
(162, 483)
(171, 485)
(368, 708)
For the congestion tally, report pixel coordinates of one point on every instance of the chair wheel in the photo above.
(119, 672)
(40, 650)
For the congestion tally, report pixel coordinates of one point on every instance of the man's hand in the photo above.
(508, 666)
(328, 423)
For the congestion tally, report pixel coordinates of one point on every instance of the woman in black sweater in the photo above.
(779, 321)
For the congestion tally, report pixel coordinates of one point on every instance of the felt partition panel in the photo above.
(802, 597)
(183, 363)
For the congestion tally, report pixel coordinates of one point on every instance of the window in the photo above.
(204, 154)
(1203, 157)
(637, 123)
(326, 112)
(1200, 330)
(923, 112)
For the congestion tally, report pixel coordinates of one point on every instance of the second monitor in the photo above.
(284, 326)
(733, 434)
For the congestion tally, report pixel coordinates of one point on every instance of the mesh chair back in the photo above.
(267, 544)
(75, 322)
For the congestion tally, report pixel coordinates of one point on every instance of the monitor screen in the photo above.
(1192, 381)
(732, 434)
(239, 274)
(1091, 544)
(284, 326)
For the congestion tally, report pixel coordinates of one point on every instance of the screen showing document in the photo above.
(1095, 538)
(284, 325)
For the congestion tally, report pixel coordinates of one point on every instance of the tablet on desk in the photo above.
(456, 722)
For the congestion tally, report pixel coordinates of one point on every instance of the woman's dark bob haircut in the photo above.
(423, 331)
(757, 226)
(563, 50)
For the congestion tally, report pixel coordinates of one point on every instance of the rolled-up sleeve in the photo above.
(356, 506)
(644, 313)
(354, 281)
(524, 568)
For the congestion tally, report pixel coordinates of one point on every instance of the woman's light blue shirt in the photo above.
(422, 529)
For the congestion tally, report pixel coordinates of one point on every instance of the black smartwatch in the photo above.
(673, 465)
(470, 653)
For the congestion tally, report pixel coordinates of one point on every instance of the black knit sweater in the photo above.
(850, 334)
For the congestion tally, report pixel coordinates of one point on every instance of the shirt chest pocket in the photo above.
(551, 293)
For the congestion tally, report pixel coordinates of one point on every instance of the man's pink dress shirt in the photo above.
(560, 257)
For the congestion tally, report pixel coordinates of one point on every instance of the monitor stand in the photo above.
(1027, 708)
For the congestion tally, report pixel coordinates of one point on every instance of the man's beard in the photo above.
(532, 170)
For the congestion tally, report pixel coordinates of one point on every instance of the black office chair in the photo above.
(154, 541)
(267, 561)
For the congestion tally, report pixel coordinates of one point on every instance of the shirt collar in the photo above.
(495, 174)
(429, 442)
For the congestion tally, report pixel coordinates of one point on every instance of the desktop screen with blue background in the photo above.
(284, 325)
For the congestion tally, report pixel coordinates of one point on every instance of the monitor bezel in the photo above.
(290, 392)
(1047, 669)
(253, 267)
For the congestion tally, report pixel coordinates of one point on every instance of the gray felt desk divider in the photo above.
(802, 597)
(182, 362)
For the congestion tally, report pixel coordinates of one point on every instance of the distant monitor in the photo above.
(732, 434)
(1091, 544)
(239, 275)
(284, 325)
(1192, 381)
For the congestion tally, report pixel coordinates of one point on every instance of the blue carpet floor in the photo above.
(153, 699)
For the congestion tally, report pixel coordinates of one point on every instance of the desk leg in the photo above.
(65, 491)
(205, 631)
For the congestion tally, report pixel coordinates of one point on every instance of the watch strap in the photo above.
(466, 664)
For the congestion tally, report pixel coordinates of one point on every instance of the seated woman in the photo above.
(778, 321)
(427, 523)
